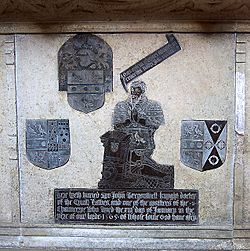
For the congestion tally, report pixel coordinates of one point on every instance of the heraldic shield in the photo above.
(203, 143)
(85, 64)
(48, 142)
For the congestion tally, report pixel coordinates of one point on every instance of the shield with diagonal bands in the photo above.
(48, 142)
(203, 143)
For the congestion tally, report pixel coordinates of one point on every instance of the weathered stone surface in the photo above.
(246, 179)
(242, 180)
(129, 238)
(126, 26)
(39, 98)
(196, 83)
(9, 208)
(91, 10)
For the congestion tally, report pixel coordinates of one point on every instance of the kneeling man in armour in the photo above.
(128, 149)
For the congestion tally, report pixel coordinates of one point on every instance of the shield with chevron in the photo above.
(203, 143)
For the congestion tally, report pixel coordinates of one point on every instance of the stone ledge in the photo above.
(98, 231)
(70, 243)
(242, 244)
(35, 238)
(128, 233)
(106, 27)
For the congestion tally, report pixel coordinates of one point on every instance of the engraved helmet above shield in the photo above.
(85, 71)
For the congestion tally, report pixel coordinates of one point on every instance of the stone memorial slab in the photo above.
(197, 82)
(77, 205)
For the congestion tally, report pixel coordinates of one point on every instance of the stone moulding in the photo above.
(91, 237)
(211, 25)
(74, 10)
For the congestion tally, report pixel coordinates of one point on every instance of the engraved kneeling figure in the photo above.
(128, 149)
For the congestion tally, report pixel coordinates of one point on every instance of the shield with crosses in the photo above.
(203, 143)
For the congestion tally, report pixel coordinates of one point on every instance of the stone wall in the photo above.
(199, 82)
(97, 10)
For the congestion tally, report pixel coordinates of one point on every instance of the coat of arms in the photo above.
(203, 143)
(48, 142)
(85, 69)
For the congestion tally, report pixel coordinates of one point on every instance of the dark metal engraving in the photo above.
(85, 71)
(203, 143)
(77, 205)
(127, 159)
(48, 142)
(150, 61)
